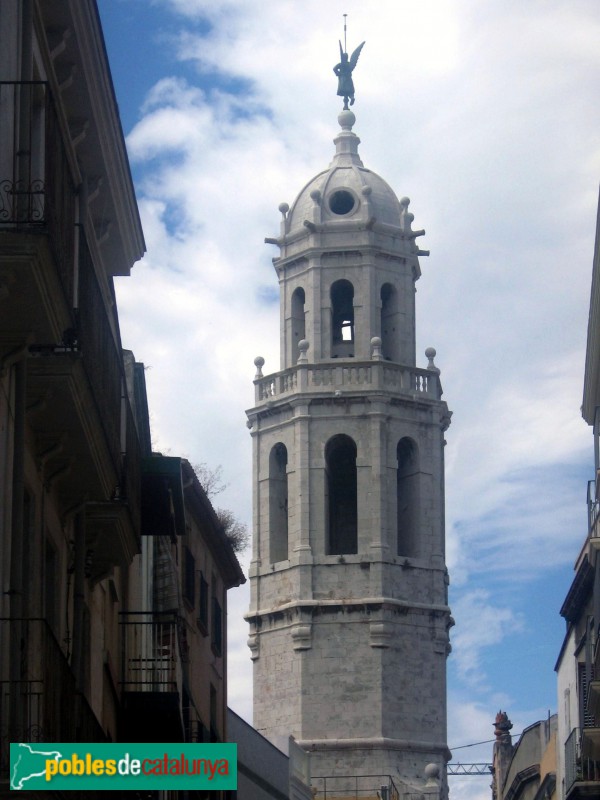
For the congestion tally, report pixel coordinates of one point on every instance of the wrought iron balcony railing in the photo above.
(580, 765)
(152, 654)
(102, 359)
(37, 190)
(593, 505)
(42, 703)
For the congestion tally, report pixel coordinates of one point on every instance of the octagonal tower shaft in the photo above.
(349, 618)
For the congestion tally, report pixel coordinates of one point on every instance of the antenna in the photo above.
(345, 45)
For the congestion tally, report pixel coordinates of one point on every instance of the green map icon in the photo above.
(28, 763)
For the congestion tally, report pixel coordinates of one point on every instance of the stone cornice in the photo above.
(376, 743)
(342, 603)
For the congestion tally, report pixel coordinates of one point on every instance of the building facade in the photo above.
(174, 629)
(578, 665)
(70, 451)
(349, 618)
(264, 771)
(525, 770)
(113, 565)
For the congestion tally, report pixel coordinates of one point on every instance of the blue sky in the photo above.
(486, 116)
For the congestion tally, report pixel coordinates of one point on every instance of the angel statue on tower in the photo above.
(344, 70)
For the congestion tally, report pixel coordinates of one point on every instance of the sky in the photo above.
(486, 115)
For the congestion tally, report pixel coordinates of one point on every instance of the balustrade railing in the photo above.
(36, 185)
(152, 655)
(327, 378)
(578, 766)
(572, 759)
(42, 704)
(102, 359)
(355, 787)
(593, 506)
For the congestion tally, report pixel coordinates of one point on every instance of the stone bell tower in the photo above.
(349, 617)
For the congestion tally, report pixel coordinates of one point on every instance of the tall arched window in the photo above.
(340, 465)
(278, 503)
(389, 323)
(342, 319)
(298, 324)
(407, 494)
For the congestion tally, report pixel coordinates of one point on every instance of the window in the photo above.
(340, 469)
(585, 675)
(342, 319)
(407, 496)
(278, 503)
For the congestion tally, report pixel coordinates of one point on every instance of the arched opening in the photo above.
(278, 503)
(342, 319)
(298, 324)
(389, 323)
(407, 495)
(342, 518)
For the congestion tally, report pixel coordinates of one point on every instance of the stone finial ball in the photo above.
(367, 190)
(346, 119)
(431, 352)
(284, 208)
(376, 341)
(432, 771)
(259, 362)
(316, 195)
(404, 201)
(303, 345)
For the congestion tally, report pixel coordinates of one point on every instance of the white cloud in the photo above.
(484, 625)
(487, 116)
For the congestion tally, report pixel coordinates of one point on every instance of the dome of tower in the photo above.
(347, 190)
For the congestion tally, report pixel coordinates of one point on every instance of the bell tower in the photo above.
(349, 618)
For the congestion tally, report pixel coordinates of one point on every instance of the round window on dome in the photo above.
(342, 202)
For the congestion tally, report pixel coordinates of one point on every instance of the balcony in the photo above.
(37, 191)
(152, 677)
(593, 505)
(582, 764)
(41, 703)
(355, 787)
(57, 305)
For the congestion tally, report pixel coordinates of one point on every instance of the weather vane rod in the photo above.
(345, 45)
(344, 71)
